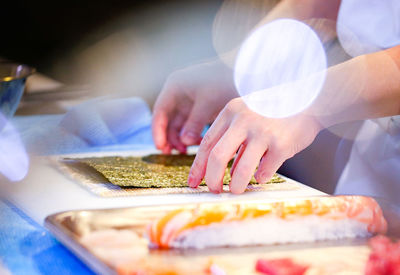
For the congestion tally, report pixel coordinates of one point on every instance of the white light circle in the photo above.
(14, 160)
(280, 68)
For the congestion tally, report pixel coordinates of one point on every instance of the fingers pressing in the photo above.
(174, 128)
(159, 129)
(219, 157)
(269, 164)
(208, 142)
(246, 164)
(194, 125)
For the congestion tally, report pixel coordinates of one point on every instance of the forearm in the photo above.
(303, 10)
(364, 87)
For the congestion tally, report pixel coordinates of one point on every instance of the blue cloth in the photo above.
(27, 248)
(95, 125)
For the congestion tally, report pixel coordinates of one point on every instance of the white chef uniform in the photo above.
(366, 26)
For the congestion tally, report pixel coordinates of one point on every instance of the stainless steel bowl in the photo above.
(12, 84)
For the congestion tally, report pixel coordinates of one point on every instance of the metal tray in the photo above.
(324, 257)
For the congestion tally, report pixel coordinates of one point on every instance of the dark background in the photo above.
(37, 32)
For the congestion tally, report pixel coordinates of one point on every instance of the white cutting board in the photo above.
(46, 190)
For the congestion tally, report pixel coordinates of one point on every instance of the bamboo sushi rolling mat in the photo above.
(95, 174)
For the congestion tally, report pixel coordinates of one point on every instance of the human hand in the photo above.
(190, 99)
(263, 142)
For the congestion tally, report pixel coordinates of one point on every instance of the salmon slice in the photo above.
(225, 224)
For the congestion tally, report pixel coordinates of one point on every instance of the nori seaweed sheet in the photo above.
(152, 171)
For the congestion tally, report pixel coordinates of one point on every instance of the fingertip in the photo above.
(215, 190)
(166, 149)
(193, 183)
(189, 138)
(181, 149)
(158, 142)
(238, 183)
(263, 177)
(237, 189)
(194, 179)
(258, 177)
(159, 145)
(212, 187)
(159, 127)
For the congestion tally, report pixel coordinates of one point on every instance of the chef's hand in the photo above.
(191, 98)
(263, 142)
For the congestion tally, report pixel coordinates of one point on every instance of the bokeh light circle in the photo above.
(14, 160)
(280, 68)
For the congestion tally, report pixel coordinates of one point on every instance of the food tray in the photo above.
(71, 228)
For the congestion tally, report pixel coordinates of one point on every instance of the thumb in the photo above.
(194, 125)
